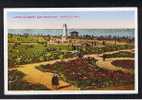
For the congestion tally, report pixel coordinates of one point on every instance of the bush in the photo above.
(120, 54)
(15, 75)
(124, 63)
(22, 85)
(15, 82)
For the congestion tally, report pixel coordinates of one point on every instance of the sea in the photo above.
(95, 32)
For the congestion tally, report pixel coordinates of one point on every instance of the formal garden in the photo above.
(84, 73)
(81, 72)
(20, 53)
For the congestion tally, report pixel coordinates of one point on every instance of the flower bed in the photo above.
(124, 63)
(84, 73)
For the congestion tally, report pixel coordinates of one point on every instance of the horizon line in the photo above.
(69, 28)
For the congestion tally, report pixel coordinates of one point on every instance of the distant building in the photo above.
(74, 34)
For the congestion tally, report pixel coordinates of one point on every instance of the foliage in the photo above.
(106, 48)
(83, 72)
(22, 85)
(30, 53)
(25, 38)
(124, 63)
(120, 54)
(15, 82)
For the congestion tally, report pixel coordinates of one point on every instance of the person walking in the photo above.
(104, 57)
(55, 81)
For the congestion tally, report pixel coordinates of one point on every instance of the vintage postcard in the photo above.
(70, 51)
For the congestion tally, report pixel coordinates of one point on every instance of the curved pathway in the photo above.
(35, 76)
(107, 64)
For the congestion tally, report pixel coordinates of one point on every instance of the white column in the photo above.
(64, 36)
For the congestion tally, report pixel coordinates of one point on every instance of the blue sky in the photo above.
(90, 19)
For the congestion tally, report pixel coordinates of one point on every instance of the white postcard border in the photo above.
(10, 92)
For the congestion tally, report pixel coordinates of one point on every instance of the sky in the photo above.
(74, 20)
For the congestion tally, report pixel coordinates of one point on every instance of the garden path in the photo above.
(35, 76)
(107, 64)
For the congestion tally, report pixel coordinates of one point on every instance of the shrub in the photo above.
(120, 54)
(22, 85)
(15, 82)
(124, 63)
